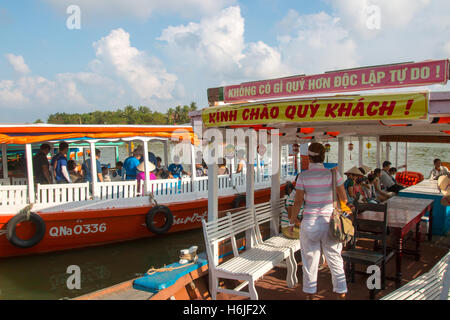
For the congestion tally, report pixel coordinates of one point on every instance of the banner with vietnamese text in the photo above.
(399, 106)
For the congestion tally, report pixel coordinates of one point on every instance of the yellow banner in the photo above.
(400, 106)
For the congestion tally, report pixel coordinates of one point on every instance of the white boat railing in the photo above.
(62, 193)
(117, 189)
(5, 182)
(19, 181)
(13, 195)
(53, 194)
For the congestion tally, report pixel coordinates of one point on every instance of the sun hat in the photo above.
(354, 170)
(444, 185)
(150, 165)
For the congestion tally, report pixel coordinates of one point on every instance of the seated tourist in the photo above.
(372, 195)
(386, 179)
(74, 173)
(380, 192)
(118, 172)
(87, 168)
(222, 167)
(176, 169)
(161, 172)
(353, 174)
(392, 171)
(438, 170)
(105, 174)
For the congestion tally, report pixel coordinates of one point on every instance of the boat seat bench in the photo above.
(433, 285)
(255, 261)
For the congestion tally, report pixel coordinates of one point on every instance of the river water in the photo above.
(44, 276)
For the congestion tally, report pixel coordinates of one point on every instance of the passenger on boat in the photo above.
(161, 172)
(386, 180)
(176, 169)
(349, 185)
(141, 173)
(392, 171)
(74, 174)
(241, 165)
(106, 175)
(130, 164)
(118, 173)
(87, 168)
(380, 193)
(41, 166)
(438, 170)
(314, 189)
(372, 194)
(59, 164)
(222, 167)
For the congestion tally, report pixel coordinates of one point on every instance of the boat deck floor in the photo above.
(273, 285)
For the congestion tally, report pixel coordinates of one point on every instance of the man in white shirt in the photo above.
(386, 180)
(438, 170)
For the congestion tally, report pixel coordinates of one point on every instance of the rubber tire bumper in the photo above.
(151, 215)
(35, 239)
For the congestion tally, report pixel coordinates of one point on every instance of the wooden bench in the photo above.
(433, 285)
(249, 265)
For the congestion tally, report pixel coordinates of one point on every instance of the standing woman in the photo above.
(314, 187)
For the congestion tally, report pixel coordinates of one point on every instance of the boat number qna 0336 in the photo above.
(78, 229)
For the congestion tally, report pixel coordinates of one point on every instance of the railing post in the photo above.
(360, 151)
(5, 160)
(378, 152)
(29, 157)
(275, 182)
(341, 155)
(95, 191)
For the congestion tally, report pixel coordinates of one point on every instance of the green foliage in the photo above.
(129, 115)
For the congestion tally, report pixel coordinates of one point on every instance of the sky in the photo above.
(164, 53)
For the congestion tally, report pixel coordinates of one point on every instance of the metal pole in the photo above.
(341, 155)
(166, 153)
(250, 183)
(388, 151)
(406, 156)
(378, 153)
(146, 170)
(95, 194)
(275, 182)
(29, 156)
(5, 160)
(360, 151)
(213, 199)
(396, 154)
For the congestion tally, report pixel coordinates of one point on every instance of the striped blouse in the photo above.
(317, 182)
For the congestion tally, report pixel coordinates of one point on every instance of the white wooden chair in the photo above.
(264, 212)
(247, 266)
(433, 285)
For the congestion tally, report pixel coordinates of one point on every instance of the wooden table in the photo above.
(428, 189)
(402, 215)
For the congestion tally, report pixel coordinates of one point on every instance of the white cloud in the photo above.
(18, 63)
(141, 9)
(145, 74)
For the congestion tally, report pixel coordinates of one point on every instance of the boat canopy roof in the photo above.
(399, 116)
(37, 133)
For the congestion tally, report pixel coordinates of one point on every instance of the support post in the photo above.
(360, 151)
(341, 155)
(388, 151)
(406, 156)
(95, 193)
(166, 153)
(275, 183)
(250, 183)
(213, 198)
(29, 156)
(396, 154)
(193, 170)
(5, 160)
(146, 189)
(378, 153)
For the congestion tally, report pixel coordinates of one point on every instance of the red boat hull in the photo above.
(79, 229)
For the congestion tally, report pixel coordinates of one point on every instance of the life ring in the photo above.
(19, 218)
(238, 200)
(408, 178)
(149, 219)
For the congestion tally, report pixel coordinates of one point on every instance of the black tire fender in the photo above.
(35, 239)
(149, 219)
